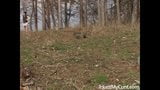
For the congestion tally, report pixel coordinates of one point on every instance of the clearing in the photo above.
(59, 61)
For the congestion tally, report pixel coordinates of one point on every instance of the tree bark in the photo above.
(81, 13)
(36, 16)
(66, 13)
(43, 16)
(31, 20)
(138, 10)
(102, 13)
(105, 13)
(134, 12)
(48, 15)
(118, 11)
(59, 14)
(99, 12)
(52, 14)
(85, 10)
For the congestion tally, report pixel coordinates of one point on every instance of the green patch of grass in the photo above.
(61, 46)
(100, 42)
(26, 56)
(103, 44)
(99, 79)
(26, 51)
(29, 60)
(73, 59)
(132, 74)
(49, 88)
(125, 53)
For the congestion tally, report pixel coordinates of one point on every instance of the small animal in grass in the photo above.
(80, 35)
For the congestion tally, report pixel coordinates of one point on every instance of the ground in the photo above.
(59, 61)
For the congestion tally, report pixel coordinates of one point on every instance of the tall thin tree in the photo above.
(36, 15)
(59, 13)
(118, 11)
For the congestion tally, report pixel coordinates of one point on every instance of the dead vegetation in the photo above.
(59, 61)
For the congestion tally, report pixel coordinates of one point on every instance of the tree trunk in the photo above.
(85, 14)
(52, 14)
(31, 20)
(99, 12)
(118, 11)
(102, 13)
(138, 10)
(66, 14)
(36, 16)
(59, 14)
(53, 18)
(105, 13)
(33, 9)
(43, 16)
(48, 15)
(69, 16)
(81, 13)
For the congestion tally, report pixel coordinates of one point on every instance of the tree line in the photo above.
(58, 13)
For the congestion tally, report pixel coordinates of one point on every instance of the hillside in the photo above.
(59, 61)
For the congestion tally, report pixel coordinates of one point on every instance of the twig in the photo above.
(28, 84)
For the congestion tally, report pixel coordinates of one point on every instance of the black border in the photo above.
(10, 41)
(149, 45)
(10, 45)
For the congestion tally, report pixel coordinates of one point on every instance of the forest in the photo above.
(54, 14)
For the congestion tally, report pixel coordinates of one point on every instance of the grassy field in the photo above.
(59, 61)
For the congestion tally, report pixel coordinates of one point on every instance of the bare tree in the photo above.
(59, 13)
(118, 11)
(48, 19)
(52, 10)
(36, 15)
(102, 13)
(138, 10)
(81, 13)
(43, 15)
(85, 3)
(89, 11)
(105, 12)
(99, 12)
(66, 13)
(135, 11)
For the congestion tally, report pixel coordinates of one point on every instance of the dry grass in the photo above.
(60, 61)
